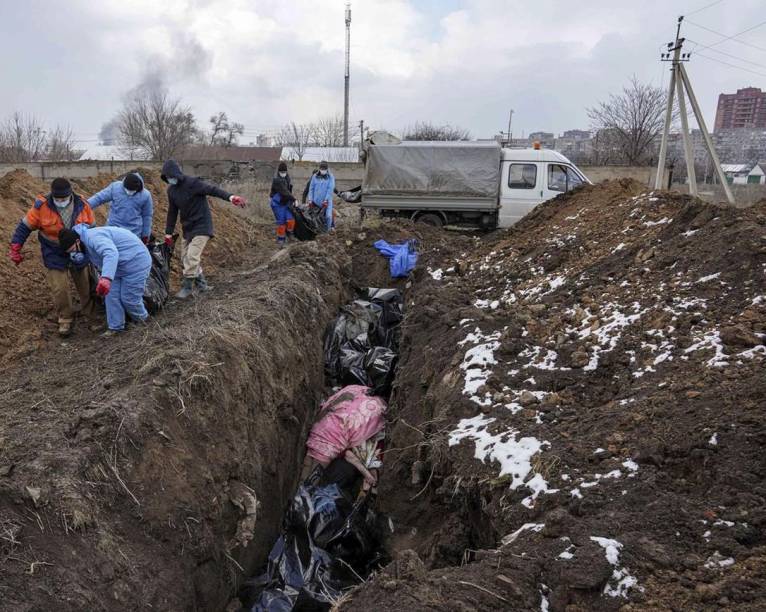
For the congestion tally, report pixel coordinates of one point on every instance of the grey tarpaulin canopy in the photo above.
(456, 169)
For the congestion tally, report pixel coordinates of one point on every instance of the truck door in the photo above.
(520, 190)
(560, 178)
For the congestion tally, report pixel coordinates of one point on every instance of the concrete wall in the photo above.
(643, 174)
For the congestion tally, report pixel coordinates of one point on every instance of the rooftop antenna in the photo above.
(348, 74)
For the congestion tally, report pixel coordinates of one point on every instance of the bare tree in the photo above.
(156, 126)
(59, 145)
(296, 138)
(630, 122)
(22, 138)
(223, 132)
(428, 131)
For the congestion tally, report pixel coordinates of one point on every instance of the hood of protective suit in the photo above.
(171, 169)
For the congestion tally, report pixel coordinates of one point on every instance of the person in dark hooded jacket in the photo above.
(281, 198)
(187, 196)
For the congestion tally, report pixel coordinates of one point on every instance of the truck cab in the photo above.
(531, 176)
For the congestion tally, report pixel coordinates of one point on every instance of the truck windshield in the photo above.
(562, 178)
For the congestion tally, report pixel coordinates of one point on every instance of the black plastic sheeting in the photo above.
(330, 537)
(362, 344)
(309, 222)
(157, 289)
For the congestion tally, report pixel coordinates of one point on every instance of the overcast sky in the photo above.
(264, 62)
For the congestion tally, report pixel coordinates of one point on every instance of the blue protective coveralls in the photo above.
(321, 190)
(120, 256)
(131, 212)
(281, 197)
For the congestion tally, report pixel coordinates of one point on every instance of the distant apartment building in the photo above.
(744, 109)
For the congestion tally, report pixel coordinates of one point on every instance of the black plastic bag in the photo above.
(304, 228)
(327, 542)
(379, 367)
(157, 288)
(351, 364)
(362, 343)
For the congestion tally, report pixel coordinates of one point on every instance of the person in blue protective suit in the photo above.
(321, 191)
(132, 205)
(280, 198)
(123, 262)
(187, 196)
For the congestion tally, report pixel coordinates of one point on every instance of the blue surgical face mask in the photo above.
(323, 172)
(77, 258)
(283, 174)
(172, 181)
(61, 203)
(130, 192)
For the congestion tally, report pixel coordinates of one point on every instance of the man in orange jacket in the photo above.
(60, 209)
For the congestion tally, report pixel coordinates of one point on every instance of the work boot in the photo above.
(187, 288)
(290, 237)
(201, 283)
(65, 328)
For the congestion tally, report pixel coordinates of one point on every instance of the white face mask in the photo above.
(323, 172)
(61, 203)
(173, 181)
(283, 174)
(130, 192)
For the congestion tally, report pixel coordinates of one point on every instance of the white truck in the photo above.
(476, 184)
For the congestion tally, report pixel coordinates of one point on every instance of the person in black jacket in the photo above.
(281, 198)
(187, 195)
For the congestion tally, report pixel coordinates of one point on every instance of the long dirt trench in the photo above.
(128, 468)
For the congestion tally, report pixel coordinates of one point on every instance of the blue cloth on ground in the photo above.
(402, 257)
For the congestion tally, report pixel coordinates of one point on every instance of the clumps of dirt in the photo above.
(579, 401)
(29, 317)
(152, 470)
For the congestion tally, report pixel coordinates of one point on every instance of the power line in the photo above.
(736, 57)
(713, 59)
(704, 8)
(732, 37)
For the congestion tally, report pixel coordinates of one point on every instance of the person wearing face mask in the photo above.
(281, 197)
(124, 264)
(321, 191)
(60, 209)
(187, 196)
(132, 206)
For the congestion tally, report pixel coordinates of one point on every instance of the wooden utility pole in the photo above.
(680, 83)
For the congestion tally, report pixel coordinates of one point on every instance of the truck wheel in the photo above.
(430, 219)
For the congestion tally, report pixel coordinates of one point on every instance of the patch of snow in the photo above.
(611, 548)
(513, 454)
(718, 561)
(511, 537)
(599, 450)
(713, 440)
(711, 340)
(576, 493)
(619, 247)
(623, 581)
(660, 222)
(707, 278)
(722, 523)
(630, 465)
(436, 274)
(689, 234)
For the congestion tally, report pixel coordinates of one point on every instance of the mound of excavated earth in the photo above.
(580, 414)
